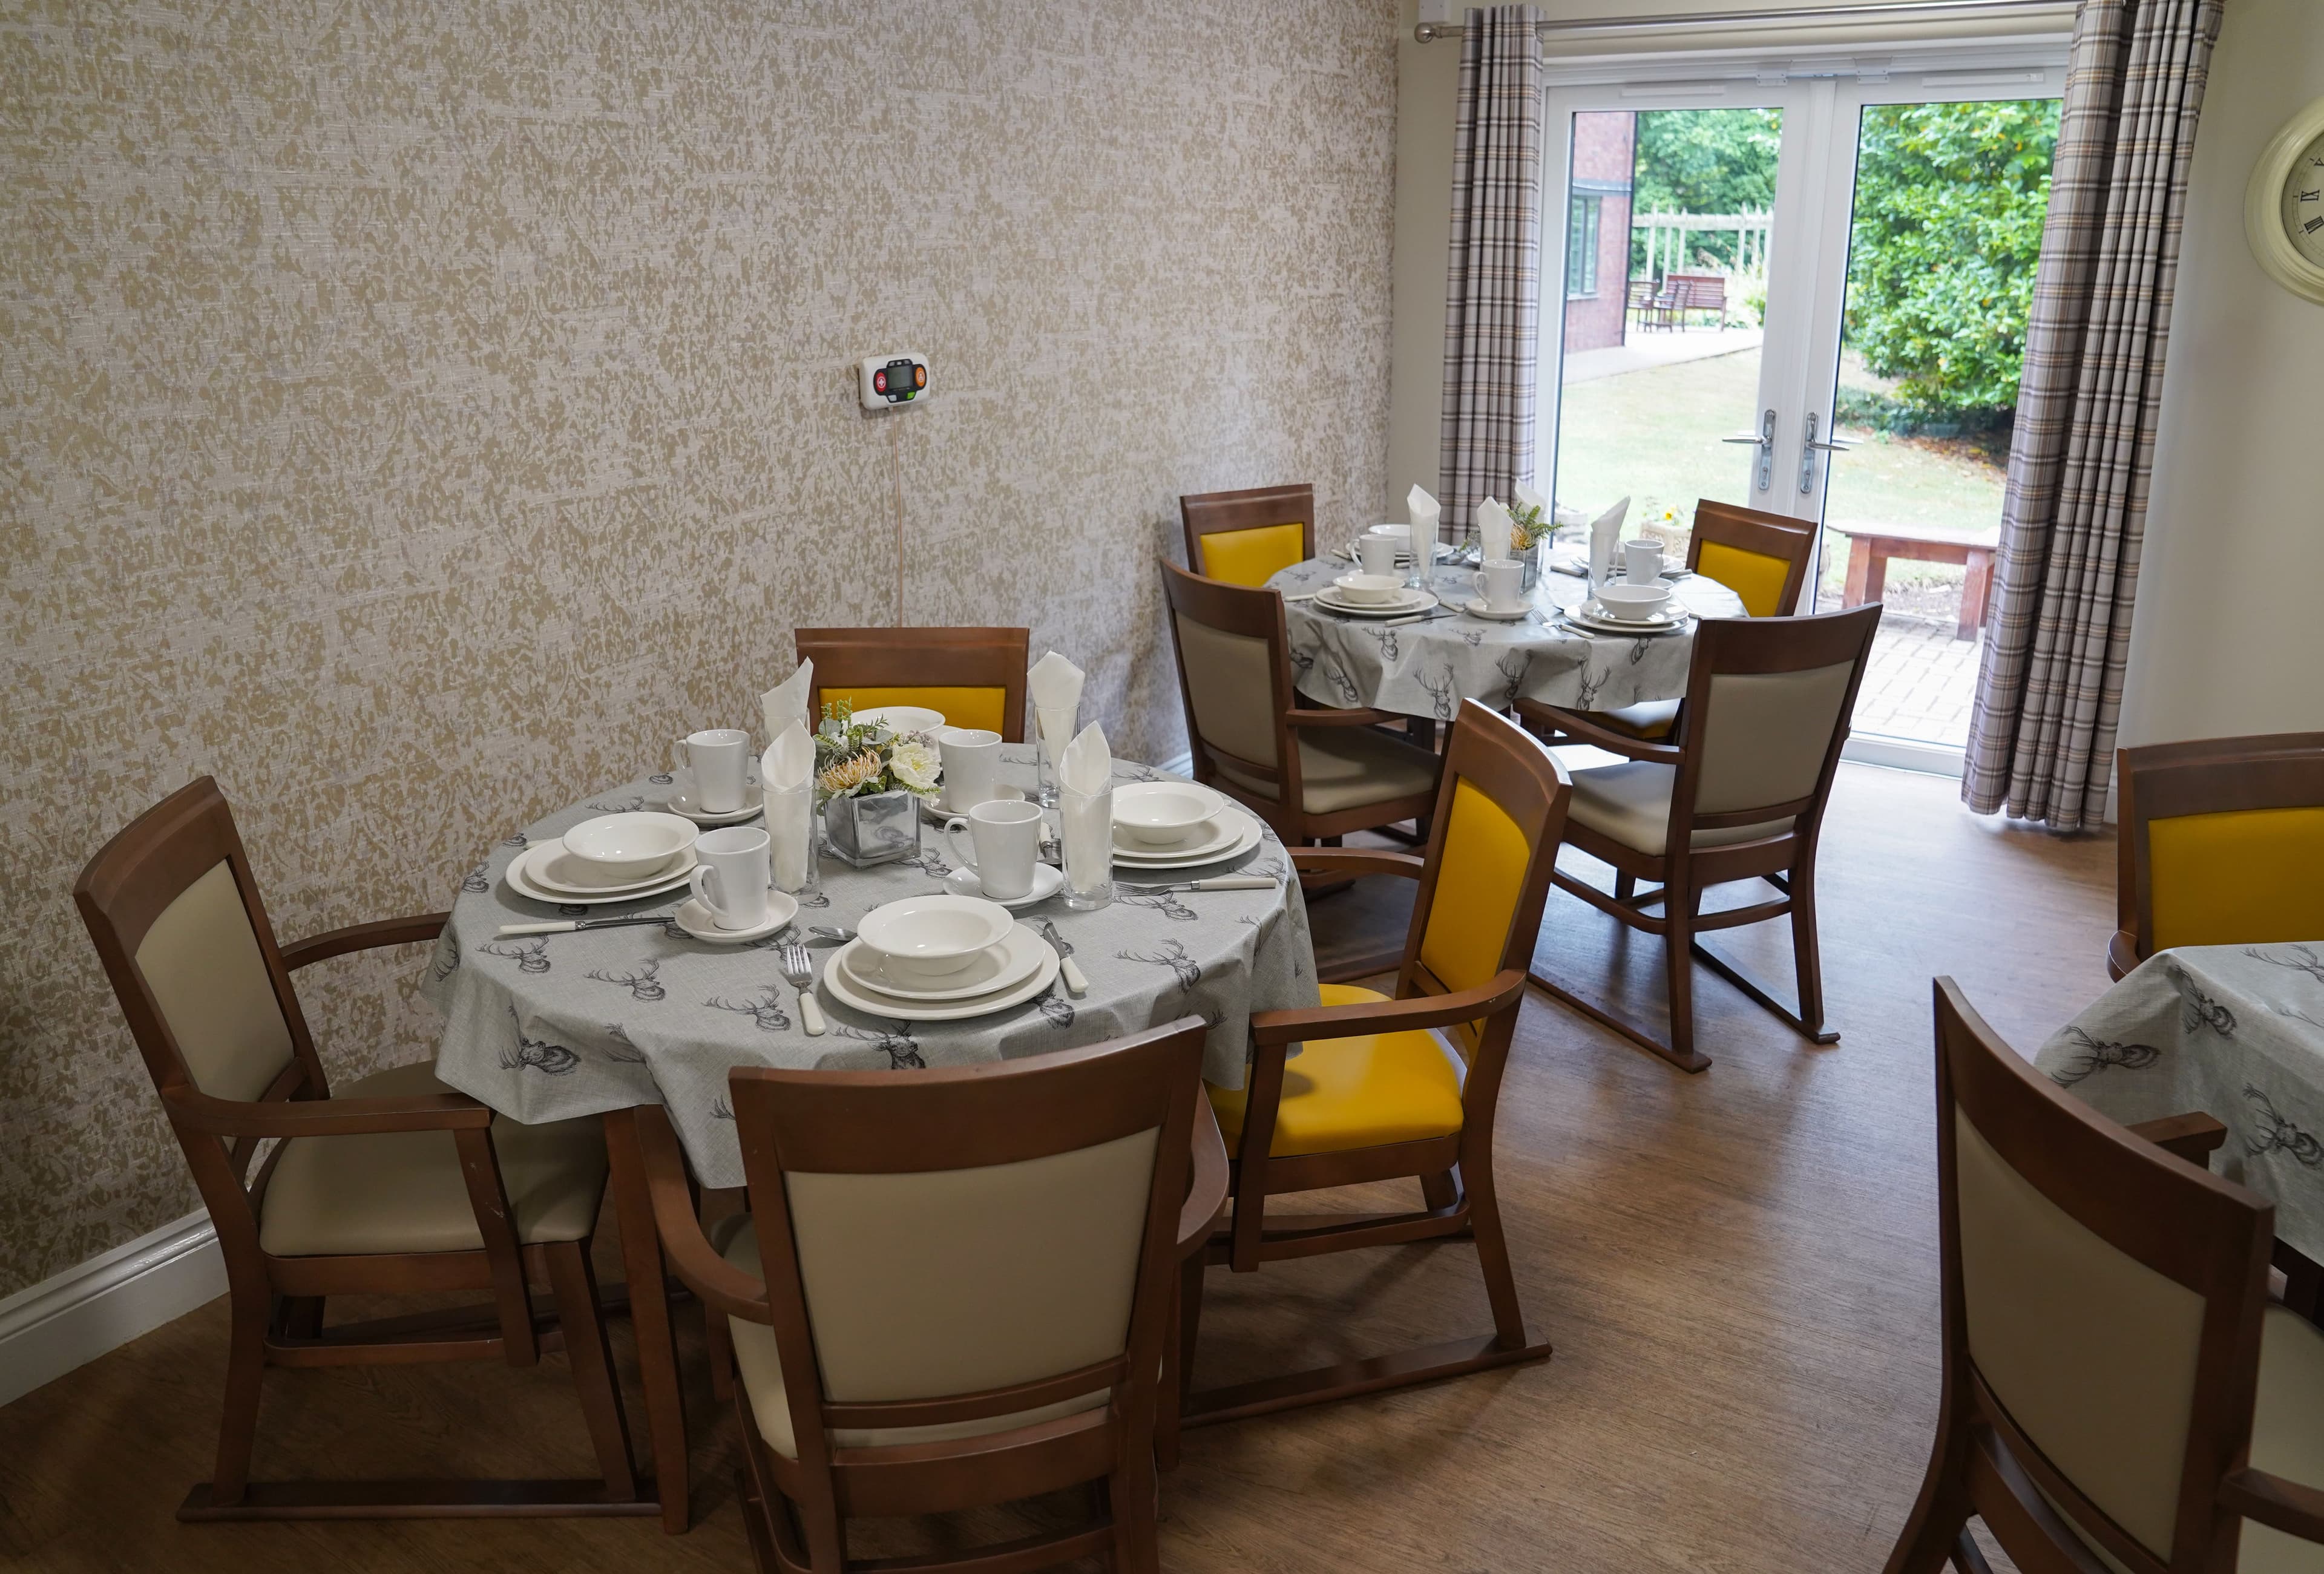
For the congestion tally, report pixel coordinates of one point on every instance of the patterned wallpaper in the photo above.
(417, 413)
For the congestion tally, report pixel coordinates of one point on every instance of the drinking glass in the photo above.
(792, 828)
(1085, 835)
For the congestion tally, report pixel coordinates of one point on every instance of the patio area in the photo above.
(1921, 682)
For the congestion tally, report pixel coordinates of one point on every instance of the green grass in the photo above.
(1655, 435)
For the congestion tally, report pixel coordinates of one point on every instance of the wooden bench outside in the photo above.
(1870, 548)
(1685, 292)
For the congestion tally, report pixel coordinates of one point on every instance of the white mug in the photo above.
(733, 876)
(1005, 840)
(1378, 554)
(719, 759)
(1501, 583)
(971, 766)
(1641, 560)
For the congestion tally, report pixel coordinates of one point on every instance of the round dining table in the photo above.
(551, 1026)
(1428, 667)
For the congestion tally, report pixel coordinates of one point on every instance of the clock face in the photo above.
(2304, 203)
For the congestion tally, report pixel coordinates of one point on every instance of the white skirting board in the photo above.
(68, 1320)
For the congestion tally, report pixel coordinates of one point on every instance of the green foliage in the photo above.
(1705, 161)
(1950, 203)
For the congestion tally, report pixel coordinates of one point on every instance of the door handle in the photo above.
(1766, 443)
(1809, 447)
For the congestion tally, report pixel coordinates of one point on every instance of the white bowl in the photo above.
(922, 939)
(902, 718)
(1635, 604)
(614, 848)
(1158, 812)
(1401, 532)
(1369, 588)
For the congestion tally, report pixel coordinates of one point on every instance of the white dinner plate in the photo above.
(1476, 608)
(1404, 603)
(696, 920)
(1049, 879)
(1211, 839)
(855, 997)
(1600, 624)
(519, 882)
(550, 866)
(1246, 838)
(996, 967)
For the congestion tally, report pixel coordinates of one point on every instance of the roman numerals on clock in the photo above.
(2312, 225)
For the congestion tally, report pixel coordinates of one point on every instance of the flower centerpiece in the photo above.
(870, 782)
(1530, 525)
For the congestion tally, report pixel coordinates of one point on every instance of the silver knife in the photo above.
(567, 925)
(1222, 882)
(1076, 981)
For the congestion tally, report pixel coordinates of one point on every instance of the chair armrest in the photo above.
(1355, 860)
(1359, 717)
(2191, 1137)
(2122, 955)
(1206, 1189)
(1574, 726)
(197, 1111)
(333, 943)
(2290, 1507)
(718, 1282)
(1272, 1028)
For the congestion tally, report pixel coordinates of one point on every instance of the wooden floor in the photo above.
(1737, 1269)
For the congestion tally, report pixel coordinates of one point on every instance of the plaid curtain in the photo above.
(2049, 689)
(1492, 313)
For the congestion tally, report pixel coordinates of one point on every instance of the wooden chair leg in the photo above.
(1625, 886)
(1806, 959)
(1440, 1189)
(1679, 965)
(1130, 1493)
(246, 1371)
(1178, 1362)
(718, 1342)
(302, 1316)
(583, 1320)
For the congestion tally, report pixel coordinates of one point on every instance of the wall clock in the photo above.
(2283, 209)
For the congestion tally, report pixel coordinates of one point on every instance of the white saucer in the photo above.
(549, 866)
(1002, 794)
(1403, 604)
(1246, 837)
(523, 886)
(1212, 838)
(996, 967)
(1048, 881)
(1476, 608)
(695, 918)
(679, 801)
(873, 1003)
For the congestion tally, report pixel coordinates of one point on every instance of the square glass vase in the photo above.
(873, 828)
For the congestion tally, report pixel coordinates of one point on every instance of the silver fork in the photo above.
(793, 962)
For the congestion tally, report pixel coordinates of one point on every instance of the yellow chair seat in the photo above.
(1367, 1092)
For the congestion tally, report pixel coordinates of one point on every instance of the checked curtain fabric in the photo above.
(1492, 315)
(2049, 689)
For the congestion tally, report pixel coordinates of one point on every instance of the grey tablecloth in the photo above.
(2235, 1031)
(1427, 669)
(564, 1024)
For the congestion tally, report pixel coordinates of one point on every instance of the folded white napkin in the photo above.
(787, 772)
(1526, 496)
(1085, 809)
(1054, 685)
(787, 703)
(1493, 524)
(1424, 514)
(1605, 531)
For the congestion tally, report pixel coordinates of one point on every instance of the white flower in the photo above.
(915, 764)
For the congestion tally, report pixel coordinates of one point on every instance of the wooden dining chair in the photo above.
(1310, 773)
(2221, 843)
(1739, 794)
(2117, 1391)
(952, 1290)
(1375, 1095)
(974, 676)
(397, 1185)
(1763, 558)
(1247, 537)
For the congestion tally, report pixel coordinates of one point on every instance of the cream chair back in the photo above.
(201, 963)
(925, 1285)
(1766, 735)
(1229, 689)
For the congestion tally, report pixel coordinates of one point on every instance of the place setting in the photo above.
(1639, 601)
(938, 959)
(614, 858)
(713, 785)
(1174, 825)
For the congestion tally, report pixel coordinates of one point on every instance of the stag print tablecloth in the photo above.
(556, 1025)
(2235, 1031)
(1428, 668)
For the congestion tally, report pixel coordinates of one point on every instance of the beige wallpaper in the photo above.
(418, 413)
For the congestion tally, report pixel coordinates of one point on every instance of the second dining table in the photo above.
(1425, 668)
(600, 1022)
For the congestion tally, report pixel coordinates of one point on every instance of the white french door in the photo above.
(1744, 411)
